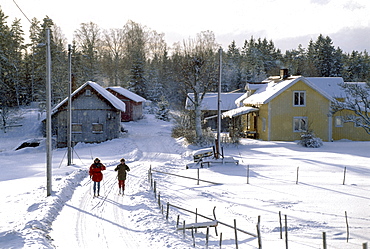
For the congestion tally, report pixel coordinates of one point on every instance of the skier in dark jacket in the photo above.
(122, 169)
(96, 175)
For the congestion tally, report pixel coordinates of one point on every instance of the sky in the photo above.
(287, 23)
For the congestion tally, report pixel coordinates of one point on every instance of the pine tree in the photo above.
(163, 111)
(324, 56)
(232, 71)
(252, 62)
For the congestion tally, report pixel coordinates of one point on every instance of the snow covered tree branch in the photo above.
(356, 105)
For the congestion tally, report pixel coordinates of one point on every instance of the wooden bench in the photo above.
(200, 154)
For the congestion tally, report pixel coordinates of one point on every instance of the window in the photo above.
(263, 124)
(76, 128)
(300, 124)
(97, 128)
(338, 121)
(299, 98)
(88, 92)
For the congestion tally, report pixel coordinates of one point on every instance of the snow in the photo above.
(127, 93)
(116, 102)
(331, 85)
(72, 218)
(239, 111)
(210, 101)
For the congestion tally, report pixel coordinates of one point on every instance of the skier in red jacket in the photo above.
(96, 175)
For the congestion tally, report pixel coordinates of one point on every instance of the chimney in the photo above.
(284, 73)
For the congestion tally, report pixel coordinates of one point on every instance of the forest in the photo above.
(138, 58)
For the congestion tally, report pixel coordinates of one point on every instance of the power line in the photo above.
(22, 11)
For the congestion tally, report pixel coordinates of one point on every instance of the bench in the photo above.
(200, 154)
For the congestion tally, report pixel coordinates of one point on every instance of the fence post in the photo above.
(220, 240)
(149, 172)
(344, 175)
(259, 233)
(155, 189)
(345, 212)
(296, 182)
(207, 237)
(196, 217)
(286, 232)
(248, 174)
(168, 210)
(183, 226)
(198, 176)
(214, 216)
(324, 240)
(159, 199)
(281, 226)
(236, 235)
(192, 235)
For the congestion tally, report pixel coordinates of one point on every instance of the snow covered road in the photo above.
(107, 221)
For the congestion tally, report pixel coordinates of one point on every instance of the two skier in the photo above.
(96, 175)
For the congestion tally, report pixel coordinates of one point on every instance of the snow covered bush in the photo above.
(308, 139)
(163, 110)
(184, 127)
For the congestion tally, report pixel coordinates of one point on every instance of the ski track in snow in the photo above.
(105, 222)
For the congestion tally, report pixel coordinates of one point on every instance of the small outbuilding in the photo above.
(133, 102)
(96, 116)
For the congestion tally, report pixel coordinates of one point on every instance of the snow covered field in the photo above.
(71, 218)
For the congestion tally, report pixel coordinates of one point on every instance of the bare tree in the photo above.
(357, 102)
(88, 42)
(199, 68)
(112, 53)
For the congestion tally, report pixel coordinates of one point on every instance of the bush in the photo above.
(162, 111)
(184, 127)
(308, 139)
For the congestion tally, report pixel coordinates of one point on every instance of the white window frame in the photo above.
(302, 121)
(338, 121)
(301, 96)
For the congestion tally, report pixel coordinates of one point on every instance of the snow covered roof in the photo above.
(210, 101)
(331, 85)
(238, 111)
(117, 103)
(268, 91)
(127, 93)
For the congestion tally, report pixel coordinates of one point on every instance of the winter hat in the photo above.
(97, 159)
(122, 160)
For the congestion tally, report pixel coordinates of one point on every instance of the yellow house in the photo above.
(285, 107)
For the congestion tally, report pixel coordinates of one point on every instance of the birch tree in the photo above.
(199, 68)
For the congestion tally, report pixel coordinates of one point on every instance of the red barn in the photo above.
(134, 103)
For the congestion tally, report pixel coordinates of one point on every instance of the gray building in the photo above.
(96, 116)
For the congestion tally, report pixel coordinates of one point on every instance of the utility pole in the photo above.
(48, 115)
(69, 112)
(218, 144)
